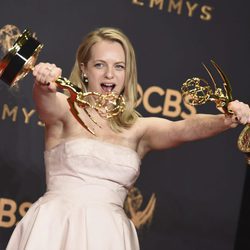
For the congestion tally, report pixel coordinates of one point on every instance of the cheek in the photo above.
(93, 76)
(122, 77)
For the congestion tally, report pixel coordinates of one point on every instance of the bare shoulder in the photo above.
(160, 133)
(148, 126)
(148, 123)
(149, 129)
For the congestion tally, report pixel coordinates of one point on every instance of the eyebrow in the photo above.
(100, 60)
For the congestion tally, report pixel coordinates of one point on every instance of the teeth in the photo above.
(107, 87)
(108, 84)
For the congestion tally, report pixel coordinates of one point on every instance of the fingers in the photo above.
(45, 73)
(241, 112)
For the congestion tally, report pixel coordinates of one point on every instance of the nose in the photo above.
(109, 74)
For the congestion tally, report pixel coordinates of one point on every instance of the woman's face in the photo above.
(106, 68)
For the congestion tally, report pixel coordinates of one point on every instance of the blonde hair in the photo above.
(130, 115)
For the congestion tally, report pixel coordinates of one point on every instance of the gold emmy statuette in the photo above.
(244, 142)
(20, 60)
(198, 91)
(133, 208)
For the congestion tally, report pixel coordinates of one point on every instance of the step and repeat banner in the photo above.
(186, 198)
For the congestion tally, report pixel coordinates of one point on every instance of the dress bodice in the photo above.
(91, 161)
(87, 181)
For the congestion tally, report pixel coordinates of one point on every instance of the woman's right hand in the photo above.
(45, 75)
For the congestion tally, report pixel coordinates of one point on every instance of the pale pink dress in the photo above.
(87, 181)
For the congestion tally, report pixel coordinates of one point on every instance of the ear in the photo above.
(83, 67)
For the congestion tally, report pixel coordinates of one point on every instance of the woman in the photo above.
(88, 175)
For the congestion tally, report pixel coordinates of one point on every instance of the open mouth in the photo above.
(107, 87)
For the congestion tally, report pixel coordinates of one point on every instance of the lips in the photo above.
(107, 87)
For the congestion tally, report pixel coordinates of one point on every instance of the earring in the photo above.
(84, 78)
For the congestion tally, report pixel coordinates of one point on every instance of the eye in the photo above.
(99, 65)
(120, 66)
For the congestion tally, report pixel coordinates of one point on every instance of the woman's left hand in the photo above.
(241, 113)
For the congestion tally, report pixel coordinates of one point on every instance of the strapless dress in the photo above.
(82, 209)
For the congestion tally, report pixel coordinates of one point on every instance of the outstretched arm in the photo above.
(161, 133)
(50, 104)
